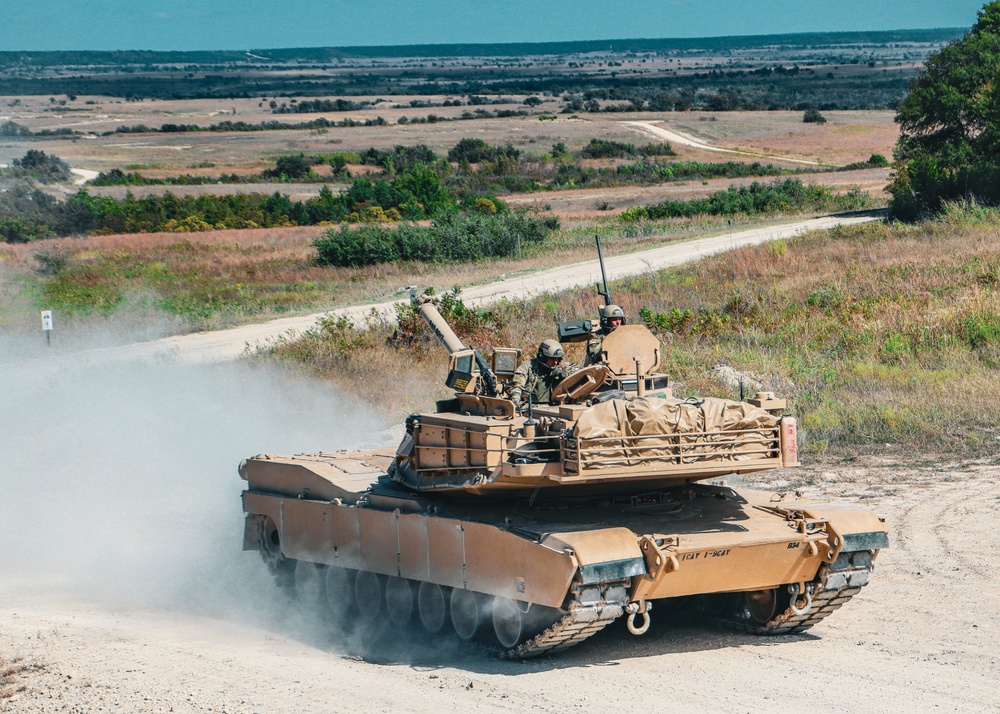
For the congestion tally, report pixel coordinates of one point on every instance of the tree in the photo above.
(295, 166)
(471, 150)
(338, 162)
(950, 125)
(40, 166)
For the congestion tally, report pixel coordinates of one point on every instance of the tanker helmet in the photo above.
(609, 312)
(550, 348)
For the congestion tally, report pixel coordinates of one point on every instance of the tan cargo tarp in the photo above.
(629, 432)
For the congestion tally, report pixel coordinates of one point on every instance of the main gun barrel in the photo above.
(442, 330)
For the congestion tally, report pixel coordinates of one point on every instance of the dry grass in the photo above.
(848, 136)
(13, 673)
(236, 276)
(869, 331)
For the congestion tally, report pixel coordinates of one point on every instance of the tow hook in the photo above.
(638, 608)
(802, 599)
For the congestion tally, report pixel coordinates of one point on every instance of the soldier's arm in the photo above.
(517, 384)
(593, 352)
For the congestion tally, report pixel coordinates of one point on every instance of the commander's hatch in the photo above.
(627, 344)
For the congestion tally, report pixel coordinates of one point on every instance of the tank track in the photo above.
(591, 609)
(835, 584)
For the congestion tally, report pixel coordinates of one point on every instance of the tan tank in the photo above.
(532, 531)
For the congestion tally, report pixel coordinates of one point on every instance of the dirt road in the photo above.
(230, 344)
(124, 589)
(653, 129)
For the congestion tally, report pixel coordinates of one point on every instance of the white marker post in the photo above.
(47, 326)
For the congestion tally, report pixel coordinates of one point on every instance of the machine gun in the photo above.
(606, 293)
(580, 330)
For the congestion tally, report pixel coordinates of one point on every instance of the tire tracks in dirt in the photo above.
(671, 135)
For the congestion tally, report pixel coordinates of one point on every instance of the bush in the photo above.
(14, 229)
(476, 150)
(758, 198)
(456, 237)
(812, 116)
(40, 166)
(400, 158)
(604, 149)
(292, 167)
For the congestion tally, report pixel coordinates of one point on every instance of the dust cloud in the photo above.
(118, 482)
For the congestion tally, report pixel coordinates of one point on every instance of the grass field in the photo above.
(214, 279)
(878, 335)
(846, 137)
(181, 282)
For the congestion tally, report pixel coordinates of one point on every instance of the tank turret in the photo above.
(611, 427)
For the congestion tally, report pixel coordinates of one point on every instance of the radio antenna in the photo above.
(606, 293)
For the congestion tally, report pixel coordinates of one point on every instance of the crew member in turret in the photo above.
(538, 376)
(612, 317)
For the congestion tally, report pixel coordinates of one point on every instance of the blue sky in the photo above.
(246, 24)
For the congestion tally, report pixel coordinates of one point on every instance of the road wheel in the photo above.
(507, 621)
(369, 593)
(399, 600)
(338, 591)
(432, 607)
(466, 614)
(308, 583)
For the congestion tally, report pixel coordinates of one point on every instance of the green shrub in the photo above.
(476, 151)
(605, 149)
(758, 198)
(15, 229)
(981, 328)
(455, 237)
(812, 116)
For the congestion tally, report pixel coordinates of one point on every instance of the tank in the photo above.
(529, 531)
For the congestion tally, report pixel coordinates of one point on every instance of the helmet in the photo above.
(609, 311)
(550, 348)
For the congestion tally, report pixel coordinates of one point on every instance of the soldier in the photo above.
(539, 375)
(612, 317)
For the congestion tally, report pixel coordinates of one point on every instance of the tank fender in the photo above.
(850, 528)
(604, 554)
(307, 477)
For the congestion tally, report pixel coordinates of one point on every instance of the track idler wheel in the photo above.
(762, 605)
(269, 546)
